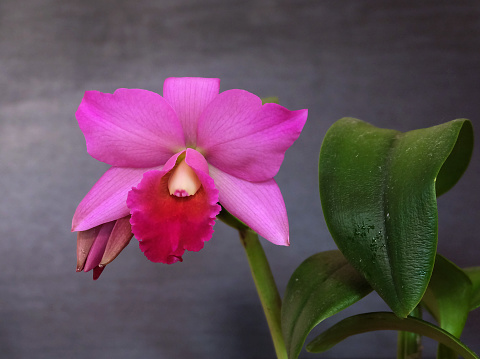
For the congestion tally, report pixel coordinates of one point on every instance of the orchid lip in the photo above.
(183, 181)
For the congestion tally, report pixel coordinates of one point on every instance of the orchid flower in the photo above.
(174, 158)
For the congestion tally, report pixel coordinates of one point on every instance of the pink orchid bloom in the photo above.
(173, 159)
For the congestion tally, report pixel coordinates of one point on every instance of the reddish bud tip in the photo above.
(97, 271)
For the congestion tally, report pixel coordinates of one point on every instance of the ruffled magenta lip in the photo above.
(167, 225)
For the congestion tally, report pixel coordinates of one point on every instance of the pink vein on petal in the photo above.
(129, 128)
(189, 97)
(245, 139)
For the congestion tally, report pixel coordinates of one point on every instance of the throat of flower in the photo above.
(183, 181)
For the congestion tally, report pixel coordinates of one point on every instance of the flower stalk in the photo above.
(266, 287)
(409, 345)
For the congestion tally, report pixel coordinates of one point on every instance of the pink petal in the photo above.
(106, 201)
(167, 225)
(245, 139)
(198, 163)
(259, 205)
(189, 96)
(98, 248)
(119, 239)
(130, 128)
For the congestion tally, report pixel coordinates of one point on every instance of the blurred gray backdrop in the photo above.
(396, 64)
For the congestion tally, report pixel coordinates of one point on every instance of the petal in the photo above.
(98, 247)
(245, 139)
(130, 128)
(106, 201)
(119, 239)
(167, 225)
(189, 96)
(198, 163)
(259, 205)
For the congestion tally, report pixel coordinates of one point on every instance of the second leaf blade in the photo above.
(377, 188)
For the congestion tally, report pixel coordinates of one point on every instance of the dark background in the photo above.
(396, 64)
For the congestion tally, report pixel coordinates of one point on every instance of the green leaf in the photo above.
(324, 284)
(378, 194)
(448, 296)
(368, 322)
(474, 275)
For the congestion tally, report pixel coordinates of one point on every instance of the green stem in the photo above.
(444, 352)
(266, 287)
(409, 345)
(263, 278)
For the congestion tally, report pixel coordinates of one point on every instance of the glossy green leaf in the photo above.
(474, 275)
(448, 296)
(378, 194)
(448, 299)
(324, 284)
(368, 322)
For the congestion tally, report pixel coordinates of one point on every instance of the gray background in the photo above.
(402, 65)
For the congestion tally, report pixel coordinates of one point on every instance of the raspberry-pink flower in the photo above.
(174, 158)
